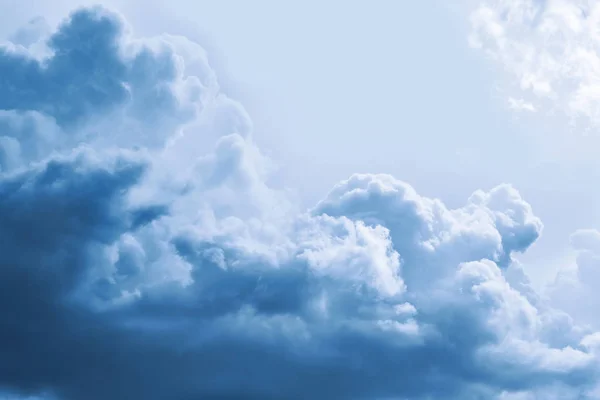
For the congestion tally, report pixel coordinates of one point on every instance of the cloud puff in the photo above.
(94, 74)
(549, 50)
(521, 105)
(576, 283)
(136, 263)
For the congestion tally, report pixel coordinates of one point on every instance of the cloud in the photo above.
(137, 263)
(548, 50)
(521, 105)
(95, 72)
(30, 34)
(576, 283)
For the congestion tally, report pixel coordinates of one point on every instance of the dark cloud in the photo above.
(85, 73)
(94, 72)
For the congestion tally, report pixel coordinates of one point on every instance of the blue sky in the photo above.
(351, 201)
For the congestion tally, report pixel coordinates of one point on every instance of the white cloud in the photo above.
(521, 105)
(548, 49)
(575, 287)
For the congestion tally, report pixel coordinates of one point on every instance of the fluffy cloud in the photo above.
(549, 50)
(137, 263)
(576, 283)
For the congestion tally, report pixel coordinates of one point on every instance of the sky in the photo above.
(339, 200)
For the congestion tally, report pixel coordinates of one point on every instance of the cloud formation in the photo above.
(549, 50)
(136, 263)
(576, 283)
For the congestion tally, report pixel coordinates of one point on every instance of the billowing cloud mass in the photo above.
(576, 284)
(549, 48)
(138, 263)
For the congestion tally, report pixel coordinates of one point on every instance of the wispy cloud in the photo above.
(548, 49)
(520, 105)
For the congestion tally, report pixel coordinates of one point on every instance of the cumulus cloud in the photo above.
(549, 49)
(135, 263)
(576, 283)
